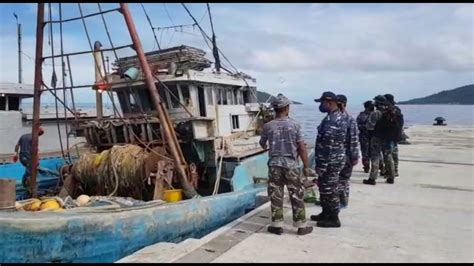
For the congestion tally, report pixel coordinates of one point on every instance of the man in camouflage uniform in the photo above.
(391, 101)
(330, 157)
(352, 152)
(362, 119)
(286, 144)
(378, 145)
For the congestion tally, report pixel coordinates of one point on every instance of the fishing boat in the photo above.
(180, 130)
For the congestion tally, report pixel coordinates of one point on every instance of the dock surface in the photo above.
(426, 216)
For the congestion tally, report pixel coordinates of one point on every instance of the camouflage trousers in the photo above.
(395, 158)
(343, 190)
(329, 188)
(364, 148)
(377, 148)
(343, 187)
(278, 178)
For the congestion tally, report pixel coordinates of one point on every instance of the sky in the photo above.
(300, 50)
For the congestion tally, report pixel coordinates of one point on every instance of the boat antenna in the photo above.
(18, 26)
(215, 51)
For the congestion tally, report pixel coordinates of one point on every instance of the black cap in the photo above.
(389, 98)
(368, 104)
(380, 99)
(341, 98)
(327, 96)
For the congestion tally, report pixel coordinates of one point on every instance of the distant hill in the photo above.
(461, 95)
(263, 96)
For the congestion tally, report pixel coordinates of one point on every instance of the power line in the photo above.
(151, 25)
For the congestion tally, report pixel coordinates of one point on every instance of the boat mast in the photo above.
(165, 121)
(37, 98)
(215, 51)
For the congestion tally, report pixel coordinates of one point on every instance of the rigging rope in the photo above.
(63, 81)
(149, 22)
(54, 81)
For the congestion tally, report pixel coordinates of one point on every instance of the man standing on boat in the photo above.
(352, 152)
(285, 143)
(24, 154)
(330, 156)
(362, 119)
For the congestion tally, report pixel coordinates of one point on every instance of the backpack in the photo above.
(390, 125)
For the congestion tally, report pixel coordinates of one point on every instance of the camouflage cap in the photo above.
(280, 101)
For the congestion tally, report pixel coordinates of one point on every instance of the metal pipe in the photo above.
(98, 79)
(36, 98)
(162, 113)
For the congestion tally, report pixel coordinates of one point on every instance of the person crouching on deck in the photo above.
(285, 143)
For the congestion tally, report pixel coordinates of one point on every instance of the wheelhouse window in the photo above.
(235, 122)
(162, 92)
(222, 97)
(145, 99)
(124, 104)
(210, 98)
(185, 93)
(14, 103)
(174, 96)
(3, 103)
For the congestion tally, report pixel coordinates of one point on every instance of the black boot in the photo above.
(275, 230)
(369, 181)
(331, 221)
(323, 215)
(390, 180)
(305, 230)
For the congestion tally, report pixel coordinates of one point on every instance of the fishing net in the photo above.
(118, 171)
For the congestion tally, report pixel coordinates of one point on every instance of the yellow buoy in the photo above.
(173, 195)
(50, 204)
(35, 206)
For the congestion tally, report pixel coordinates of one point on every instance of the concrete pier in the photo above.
(426, 216)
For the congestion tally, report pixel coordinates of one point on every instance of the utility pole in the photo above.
(18, 26)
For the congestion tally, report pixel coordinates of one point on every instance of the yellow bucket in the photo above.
(173, 195)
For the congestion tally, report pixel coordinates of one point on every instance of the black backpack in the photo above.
(390, 125)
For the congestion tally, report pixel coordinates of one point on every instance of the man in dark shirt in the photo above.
(24, 145)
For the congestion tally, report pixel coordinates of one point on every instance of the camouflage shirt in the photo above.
(352, 138)
(362, 119)
(374, 117)
(330, 148)
(282, 135)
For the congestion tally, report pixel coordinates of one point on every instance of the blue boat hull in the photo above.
(16, 170)
(107, 236)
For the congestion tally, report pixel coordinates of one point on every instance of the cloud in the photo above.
(358, 49)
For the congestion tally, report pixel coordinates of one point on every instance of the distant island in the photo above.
(263, 96)
(461, 95)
